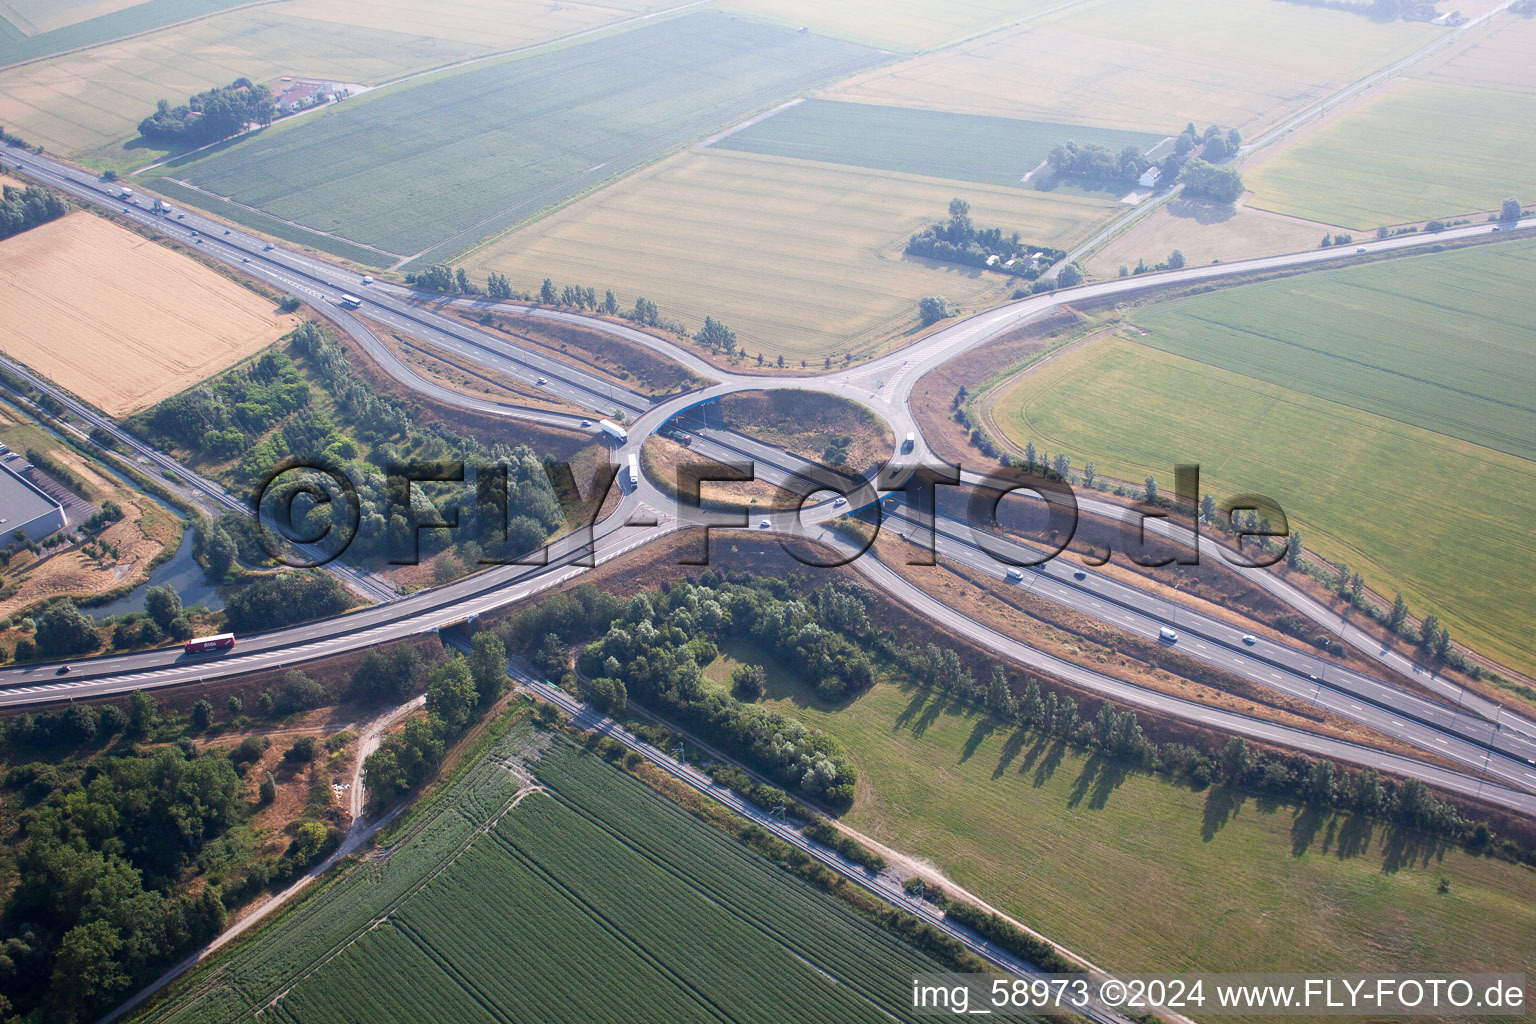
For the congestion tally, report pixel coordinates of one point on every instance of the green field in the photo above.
(597, 900)
(430, 169)
(1140, 875)
(1444, 341)
(140, 17)
(963, 147)
(1420, 150)
(1409, 509)
(87, 103)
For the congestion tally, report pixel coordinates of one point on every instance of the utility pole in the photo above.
(778, 811)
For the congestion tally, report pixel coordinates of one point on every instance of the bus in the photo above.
(349, 301)
(203, 644)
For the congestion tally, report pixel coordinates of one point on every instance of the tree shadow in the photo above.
(1011, 748)
(1202, 213)
(1055, 750)
(986, 725)
(1355, 835)
(1100, 777)
(1222, 804)
(1305, 825)
(1405, 849)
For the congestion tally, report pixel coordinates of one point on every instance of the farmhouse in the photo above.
(300, 95)
(1149, 177)
(25, 508)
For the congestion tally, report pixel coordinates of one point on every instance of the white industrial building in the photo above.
(25, 508)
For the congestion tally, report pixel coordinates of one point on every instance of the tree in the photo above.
(1235, 760)
(610, 303)
(142, 711)
(163, 604)
(267, 792)
(646, 312)
(299, 693)
(451, 694)
(1090, 473)
(202, 715)
(750, 682)
(1207, 181)
(1061, 465)
(488, 665)
(221, 554)
(1000, 695)
(1176, 260)
(64, 629)
(932, 308)
(1293, 550)
(715, 336)
(497, 286)
(302, 750)
(1510, 210)
(86, 970)
(1429, 632)
(234, 705)
(1398, 614)
(547, 292)
(1070, 276)
(1151, 490)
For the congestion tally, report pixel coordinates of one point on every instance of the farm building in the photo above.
(24, 506)
(300, 95)
(1149, 177)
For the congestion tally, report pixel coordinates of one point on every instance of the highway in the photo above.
(885, 385)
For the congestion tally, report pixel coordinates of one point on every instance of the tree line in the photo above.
(24, 208)
(459, 691)
(210, 115)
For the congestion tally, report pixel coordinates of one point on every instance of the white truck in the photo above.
(615, 432)
(909, 444)
(634, 470)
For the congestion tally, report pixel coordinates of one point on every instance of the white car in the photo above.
(762, 524)
(1250, 639)
(367, 279)
(1360, 249)
(541, 382)
(840, 502)
(268, 247)
(586, 423)
(1079, 575)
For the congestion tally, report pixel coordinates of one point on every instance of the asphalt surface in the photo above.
(885, 385)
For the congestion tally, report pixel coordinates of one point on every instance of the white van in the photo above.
(1167, 635)
(1015, 575)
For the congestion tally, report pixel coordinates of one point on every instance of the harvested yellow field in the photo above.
(77, 103)
(119, 320)
(802, 259)
(1496, 55)
(33, 17)
(897, 24)
(1204, 233)
(1149, 67)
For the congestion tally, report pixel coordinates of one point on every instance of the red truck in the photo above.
(203, 644)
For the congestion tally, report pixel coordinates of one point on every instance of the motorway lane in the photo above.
(364, 583)
(1505, 756)
(368, 627)
(1431, 725)
(901, 369)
